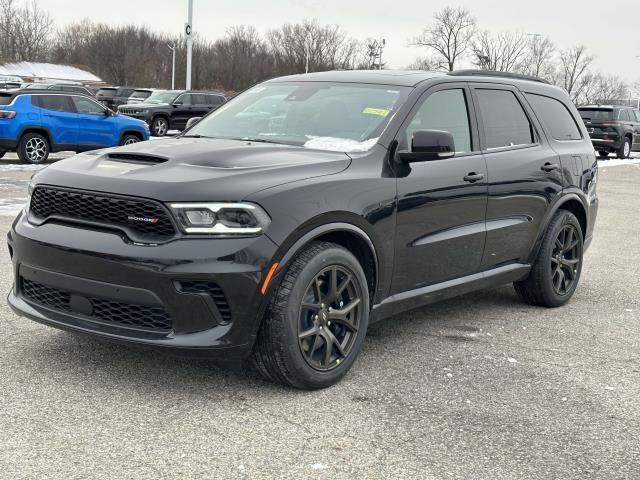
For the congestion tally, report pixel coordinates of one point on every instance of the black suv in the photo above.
(613, 129)
(113, 97)
(279, 227)
(166, 110)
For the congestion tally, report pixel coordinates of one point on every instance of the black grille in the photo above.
(210, 288)
(129, 111)
(150, 317)
(142, 220)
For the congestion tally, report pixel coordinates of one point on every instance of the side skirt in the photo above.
(419, 297)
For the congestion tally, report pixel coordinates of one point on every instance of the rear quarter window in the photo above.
(5, 99)
(555, 117)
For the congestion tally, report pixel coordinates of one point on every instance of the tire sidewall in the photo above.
(299, 368)
(22, 149)
(128, 136)
(561, 219)
(621, 152)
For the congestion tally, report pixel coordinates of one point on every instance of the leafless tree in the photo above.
(502, 52)
(423, 63)
(574, 65)
(597, 88)
(25, 32)
(449, 36)
(539, 59)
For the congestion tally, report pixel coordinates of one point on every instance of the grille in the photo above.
(129, 111)
(142, 220)
(118, 313)
(210, 288)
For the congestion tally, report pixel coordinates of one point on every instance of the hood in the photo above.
(191, 169)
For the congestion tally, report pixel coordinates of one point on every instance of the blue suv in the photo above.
(34, 124)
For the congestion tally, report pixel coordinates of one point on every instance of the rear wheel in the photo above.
(625, 149)
(159, 127)
(556, 271)
(317, 320)
(129, 139)
(33, 148)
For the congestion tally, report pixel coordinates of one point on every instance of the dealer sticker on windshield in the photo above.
(382, 112)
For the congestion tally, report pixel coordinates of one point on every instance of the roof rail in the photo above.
(494, 73)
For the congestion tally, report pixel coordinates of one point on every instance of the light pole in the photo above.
(188, 30)
(382, 45)
(172, 47)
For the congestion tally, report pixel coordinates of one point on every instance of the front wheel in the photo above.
(317, 319)
(129, 139)
(33, 148)
(625, 149)
(159, 127)
(556, 271)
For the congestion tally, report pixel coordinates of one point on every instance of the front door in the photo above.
(96, 127)
(440, 232)
(525, 174)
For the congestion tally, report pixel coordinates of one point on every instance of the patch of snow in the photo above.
(449, 375)
(512, 360)
(319, 466)
(17, 167)
(47, 71)
(607, 387)
(334, 144)
(616, 162)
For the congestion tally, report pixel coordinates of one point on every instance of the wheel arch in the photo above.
(347, 235)
(570, 202)
(44, 131)
(135, 133)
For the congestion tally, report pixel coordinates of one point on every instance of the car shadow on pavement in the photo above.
(84, 359)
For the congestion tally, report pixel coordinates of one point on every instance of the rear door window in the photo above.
(504, 120)
(56, 103)
(198, 99)
(215, 99)
(555, 116)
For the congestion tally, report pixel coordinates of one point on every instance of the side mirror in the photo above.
(192, 121)
(176, 104)
(427, 145)
(108, 113)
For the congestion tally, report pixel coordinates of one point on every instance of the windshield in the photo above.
(345, 117)
(162, 97)
(596, 114)
(140, 94)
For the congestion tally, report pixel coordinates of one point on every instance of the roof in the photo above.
(406, 78)
(48, 71)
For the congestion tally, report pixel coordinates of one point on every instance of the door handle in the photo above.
(549, 167)
(473, 177)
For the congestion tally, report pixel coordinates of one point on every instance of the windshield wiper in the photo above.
(259, 140)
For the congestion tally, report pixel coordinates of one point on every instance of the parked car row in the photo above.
(166, 110)
(613, 129)
(34, 123)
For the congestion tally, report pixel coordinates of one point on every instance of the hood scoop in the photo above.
(136, 158)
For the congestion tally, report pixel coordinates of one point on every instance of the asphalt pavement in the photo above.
(478, 387)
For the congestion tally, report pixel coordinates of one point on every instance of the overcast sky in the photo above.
(611, 30)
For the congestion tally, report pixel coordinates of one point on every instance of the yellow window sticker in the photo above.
(382, 112)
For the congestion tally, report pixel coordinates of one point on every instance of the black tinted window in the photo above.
(58, 103)
(198, 99)
(215, 99)
(556, 117)
(5, 99)
(596, 114)
(504, 120)
(124, 92)
(444, 110)
(86, 106)
(107, 92)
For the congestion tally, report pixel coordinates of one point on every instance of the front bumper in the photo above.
(79, 271)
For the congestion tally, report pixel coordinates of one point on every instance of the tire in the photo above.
(159, 126)
(541, 286)
(33, 148)
(2, 152)
(292, 342)
(625, 149)
(129, 139)
(603, 154)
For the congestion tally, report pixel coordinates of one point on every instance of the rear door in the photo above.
(59, 118)
(181, 109)
(524, 173)
(440, 231)
(215, 101)
(96, 127)
(199, 105)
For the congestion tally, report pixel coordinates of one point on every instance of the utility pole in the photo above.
(382, 45)
(172, 47)
(188, 30)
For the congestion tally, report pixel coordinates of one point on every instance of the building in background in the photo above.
(48, 73)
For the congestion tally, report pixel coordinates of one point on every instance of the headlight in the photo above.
(221, 219)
